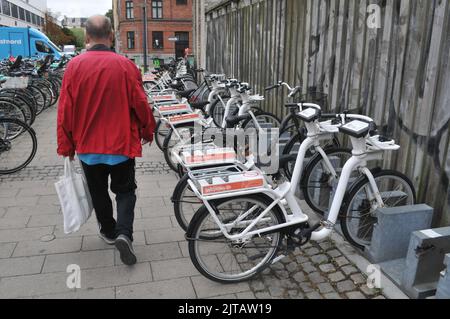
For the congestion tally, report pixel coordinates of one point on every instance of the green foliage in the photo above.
(80, 38)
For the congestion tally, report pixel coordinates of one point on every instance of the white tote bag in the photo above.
(75, 199)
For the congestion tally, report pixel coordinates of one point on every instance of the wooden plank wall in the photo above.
(399, 74)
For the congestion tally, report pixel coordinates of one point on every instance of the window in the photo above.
(33, 18)
(158, 40)
(182, 36)
(181, 2)
(28, 16)
(22, 14)
(6, 8)
(14, 11)
(130, 40)
(129, 9)
(42, 47)
(157, 9)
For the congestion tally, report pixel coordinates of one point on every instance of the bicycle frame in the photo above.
(286, 191)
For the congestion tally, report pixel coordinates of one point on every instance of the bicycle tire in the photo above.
(353, 192)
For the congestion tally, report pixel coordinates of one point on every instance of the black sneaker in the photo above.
(110, 240)
(125, 247)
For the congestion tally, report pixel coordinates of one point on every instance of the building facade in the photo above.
(74, 22)
(23, 13)
(169, 29)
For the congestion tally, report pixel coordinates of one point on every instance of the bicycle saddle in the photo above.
(232, 121)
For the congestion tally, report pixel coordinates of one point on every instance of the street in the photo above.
(36, 257)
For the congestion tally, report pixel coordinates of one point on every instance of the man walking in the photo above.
(104, 117)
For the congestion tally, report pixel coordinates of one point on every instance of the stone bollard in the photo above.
(443, 290)
(392, 232)
(425, 262)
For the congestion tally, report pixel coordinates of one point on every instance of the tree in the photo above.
(80, 37)
(57, 34)
(110, 15)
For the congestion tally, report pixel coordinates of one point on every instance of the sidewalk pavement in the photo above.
(35, 253)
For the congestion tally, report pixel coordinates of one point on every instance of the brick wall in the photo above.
(176, 18)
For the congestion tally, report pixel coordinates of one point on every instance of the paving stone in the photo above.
(332, 295)
(345, 286)
(358, 279)
(337, 276)
(299, 277)
(33, 285)
(116, 276)
(355, 295)
(103, 293)
(224, 297)
(257, 285)
(327, 268)
(320, 259)
(325, 288)
(6, 250)
(334, 253)
(21, 266)
(17, 235)
(86, 260)
(2, 212)
(180, 288)
(154, 252)
(57, 246)
(206, 288)
(276, 292)
(292, 267)
(30, 201)
(152, 223)
(326, 245)
(282, 274)
(277, 266)
(348, 270)
(32, 210)
(302, 259)
(288, 284)
(46, 220)
(312, 251)
(173, 268)
(313, 295)
(37, 190)
(368, 291)
(14, 222)
(245, 295)
(379, 297)
(341, 261)
(308, 267)
(263, 295)
(164, 235)
(306, 287)
(316, 278)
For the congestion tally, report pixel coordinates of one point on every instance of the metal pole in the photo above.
(145, 37)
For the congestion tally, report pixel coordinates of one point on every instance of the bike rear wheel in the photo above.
(224, 261)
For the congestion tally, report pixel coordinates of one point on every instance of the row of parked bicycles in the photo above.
(27, 88)
(241, 218)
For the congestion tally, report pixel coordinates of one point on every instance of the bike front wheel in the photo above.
(359, 209)
(225, 261)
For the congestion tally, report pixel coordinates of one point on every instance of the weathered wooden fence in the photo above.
(398, 73)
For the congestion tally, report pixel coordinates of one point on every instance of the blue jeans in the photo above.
(123, 185)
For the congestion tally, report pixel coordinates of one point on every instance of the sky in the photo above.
(79, 8)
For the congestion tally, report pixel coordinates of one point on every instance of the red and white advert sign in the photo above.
(148, 77)
(211, 156)
(176, 108)
(235, 183)
(163, 98)
(184, 118)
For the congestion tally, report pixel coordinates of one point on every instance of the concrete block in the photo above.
(443, 290)
(425, 262)
(174, 268)
(7, 249)
(86, 260)
(155, 252)
(392, 232)
(17, 235)
(57, 246)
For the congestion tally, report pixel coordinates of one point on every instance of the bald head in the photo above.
(99, 27)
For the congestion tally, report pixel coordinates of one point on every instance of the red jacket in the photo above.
(103, 108)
